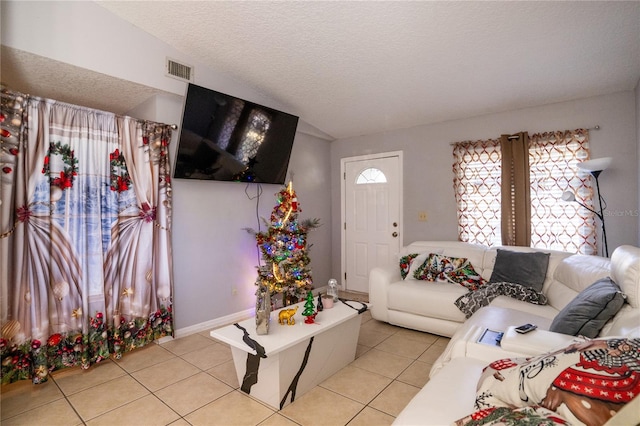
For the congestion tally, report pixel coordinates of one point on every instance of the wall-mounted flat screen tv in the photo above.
(226, 138)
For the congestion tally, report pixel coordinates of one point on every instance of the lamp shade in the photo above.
(595, 165)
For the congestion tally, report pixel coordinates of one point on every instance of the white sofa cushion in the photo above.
(546, 311)
(580, 271)
(625, 271)
(447, 397)
(576, 272)
(416, 297)
(625, 323)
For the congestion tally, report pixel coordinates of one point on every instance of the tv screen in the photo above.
(226, 138)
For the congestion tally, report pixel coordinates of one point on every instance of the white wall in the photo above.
(637, 91)
(214, 258)
(428, 159)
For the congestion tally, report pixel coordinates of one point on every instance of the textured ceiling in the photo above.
(28, 73)
(353, 68)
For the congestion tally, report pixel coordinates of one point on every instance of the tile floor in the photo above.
(192, 381)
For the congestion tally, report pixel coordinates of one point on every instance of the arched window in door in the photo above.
(371, 175)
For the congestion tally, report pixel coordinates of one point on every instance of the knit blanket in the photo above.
(472, 301)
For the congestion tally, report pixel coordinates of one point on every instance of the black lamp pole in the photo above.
(594, 167)
(595, 174)
(600, 214)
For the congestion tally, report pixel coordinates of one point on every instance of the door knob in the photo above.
(395, 234)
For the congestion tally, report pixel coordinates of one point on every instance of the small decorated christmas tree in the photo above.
(309, 309)
(284, 249)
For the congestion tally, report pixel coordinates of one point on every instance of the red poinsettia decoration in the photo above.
(23, 213)
(123, 185)
(63, 182)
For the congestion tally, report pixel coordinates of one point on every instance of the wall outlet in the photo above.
(422, 216)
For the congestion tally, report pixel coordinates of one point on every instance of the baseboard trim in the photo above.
(209, 325)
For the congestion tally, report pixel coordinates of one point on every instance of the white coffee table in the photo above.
(298, 357)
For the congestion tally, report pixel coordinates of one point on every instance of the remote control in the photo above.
(526, 328)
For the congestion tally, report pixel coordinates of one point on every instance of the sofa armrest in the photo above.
(380, 278)
(535, 342)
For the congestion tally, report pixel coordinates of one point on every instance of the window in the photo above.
(555, 224)
(371, 175)
(477, 188)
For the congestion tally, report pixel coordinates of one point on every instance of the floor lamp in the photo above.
(594, 167)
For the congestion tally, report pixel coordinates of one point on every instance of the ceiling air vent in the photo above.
(179, 71)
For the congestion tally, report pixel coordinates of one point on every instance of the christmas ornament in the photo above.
(10, 329)
(61, 289)
(54, 339)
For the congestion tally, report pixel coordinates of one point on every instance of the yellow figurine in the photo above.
(286, 316)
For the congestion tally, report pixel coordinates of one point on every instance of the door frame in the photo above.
(343, 213)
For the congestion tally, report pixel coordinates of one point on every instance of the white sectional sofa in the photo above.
(429, 306)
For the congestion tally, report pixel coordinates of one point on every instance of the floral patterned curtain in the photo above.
(85, 243)
(553, 159)
(476, 181)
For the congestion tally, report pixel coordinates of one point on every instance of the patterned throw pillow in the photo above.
(405, 264)
(587, 382)
(466, 276)
(436, 266)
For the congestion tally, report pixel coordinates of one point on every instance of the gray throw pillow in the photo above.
(590, 310)
(527, 269)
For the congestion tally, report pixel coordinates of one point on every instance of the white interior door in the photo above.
(372, 232)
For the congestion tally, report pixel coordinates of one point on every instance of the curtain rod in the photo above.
(596, 127)
(139, 120)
